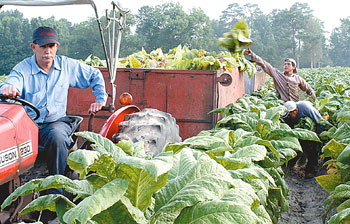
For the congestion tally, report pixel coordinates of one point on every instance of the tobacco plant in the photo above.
(333, 90)
(261, 127)
(231, 174)
(180, 185)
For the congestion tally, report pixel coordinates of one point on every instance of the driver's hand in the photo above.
(10, 91)
(95, 107)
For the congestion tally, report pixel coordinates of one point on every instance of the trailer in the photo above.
(188, 95)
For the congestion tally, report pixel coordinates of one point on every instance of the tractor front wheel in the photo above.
(155, 128)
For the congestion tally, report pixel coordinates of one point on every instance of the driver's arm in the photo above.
(86, 76)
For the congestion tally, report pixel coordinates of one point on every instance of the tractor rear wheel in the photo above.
(155, 128)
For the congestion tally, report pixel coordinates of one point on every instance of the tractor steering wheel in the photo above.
(23, 103)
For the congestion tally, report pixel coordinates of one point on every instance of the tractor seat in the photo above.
(75, 121)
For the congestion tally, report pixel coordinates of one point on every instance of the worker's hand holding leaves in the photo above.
(248, 52)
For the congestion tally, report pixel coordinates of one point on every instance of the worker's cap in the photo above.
(45, 35)
(291, 60)
(289, 107)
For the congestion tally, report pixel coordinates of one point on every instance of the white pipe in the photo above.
(43, 2)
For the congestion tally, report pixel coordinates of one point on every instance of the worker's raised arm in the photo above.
(267, 67)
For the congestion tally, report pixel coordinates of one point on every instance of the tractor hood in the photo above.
(44, 2)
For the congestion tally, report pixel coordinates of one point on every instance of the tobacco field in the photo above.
(234, 173)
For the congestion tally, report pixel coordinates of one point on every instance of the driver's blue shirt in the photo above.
(49, 92)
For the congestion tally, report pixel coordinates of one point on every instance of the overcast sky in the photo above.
(330, 12)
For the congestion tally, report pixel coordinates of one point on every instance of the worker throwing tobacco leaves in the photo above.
(287, 83)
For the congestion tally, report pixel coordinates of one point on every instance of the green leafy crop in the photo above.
(218, 176)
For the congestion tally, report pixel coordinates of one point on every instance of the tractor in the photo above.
(182, 99)
(19, 132)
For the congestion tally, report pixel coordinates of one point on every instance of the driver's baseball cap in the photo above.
(45, 35)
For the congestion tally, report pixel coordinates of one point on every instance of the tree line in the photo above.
(293, 32)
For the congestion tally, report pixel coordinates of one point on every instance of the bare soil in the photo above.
(306, 199)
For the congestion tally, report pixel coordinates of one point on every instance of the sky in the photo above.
(330, 12)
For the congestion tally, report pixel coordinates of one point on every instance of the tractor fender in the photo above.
(19, 141)
(111, 126)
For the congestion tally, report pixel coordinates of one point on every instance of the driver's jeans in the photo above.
(54, 141)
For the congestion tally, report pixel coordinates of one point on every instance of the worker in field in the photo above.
(287, 83)
(294, 111)
(43, 80)
(297, 110)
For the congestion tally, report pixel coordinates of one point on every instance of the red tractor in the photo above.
(187, 95)
(19, 133)
(18, 151)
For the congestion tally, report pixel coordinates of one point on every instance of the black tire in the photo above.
(155, 128)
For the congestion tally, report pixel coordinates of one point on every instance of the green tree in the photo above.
(288, 27)
(265, 44)
(218, 28)
(198, 31)
(14, 44)
(130, 42)
(234, 12)
(261, 29)
(340, 43)
(313, 41)
(159, 26)
(167, 26)
(85, 40)
(218, 31)
(230, 16)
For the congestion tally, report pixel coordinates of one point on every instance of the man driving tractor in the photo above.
(43, 80)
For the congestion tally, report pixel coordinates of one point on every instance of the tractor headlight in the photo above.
(125, 98)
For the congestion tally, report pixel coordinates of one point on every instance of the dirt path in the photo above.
(306, 200)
